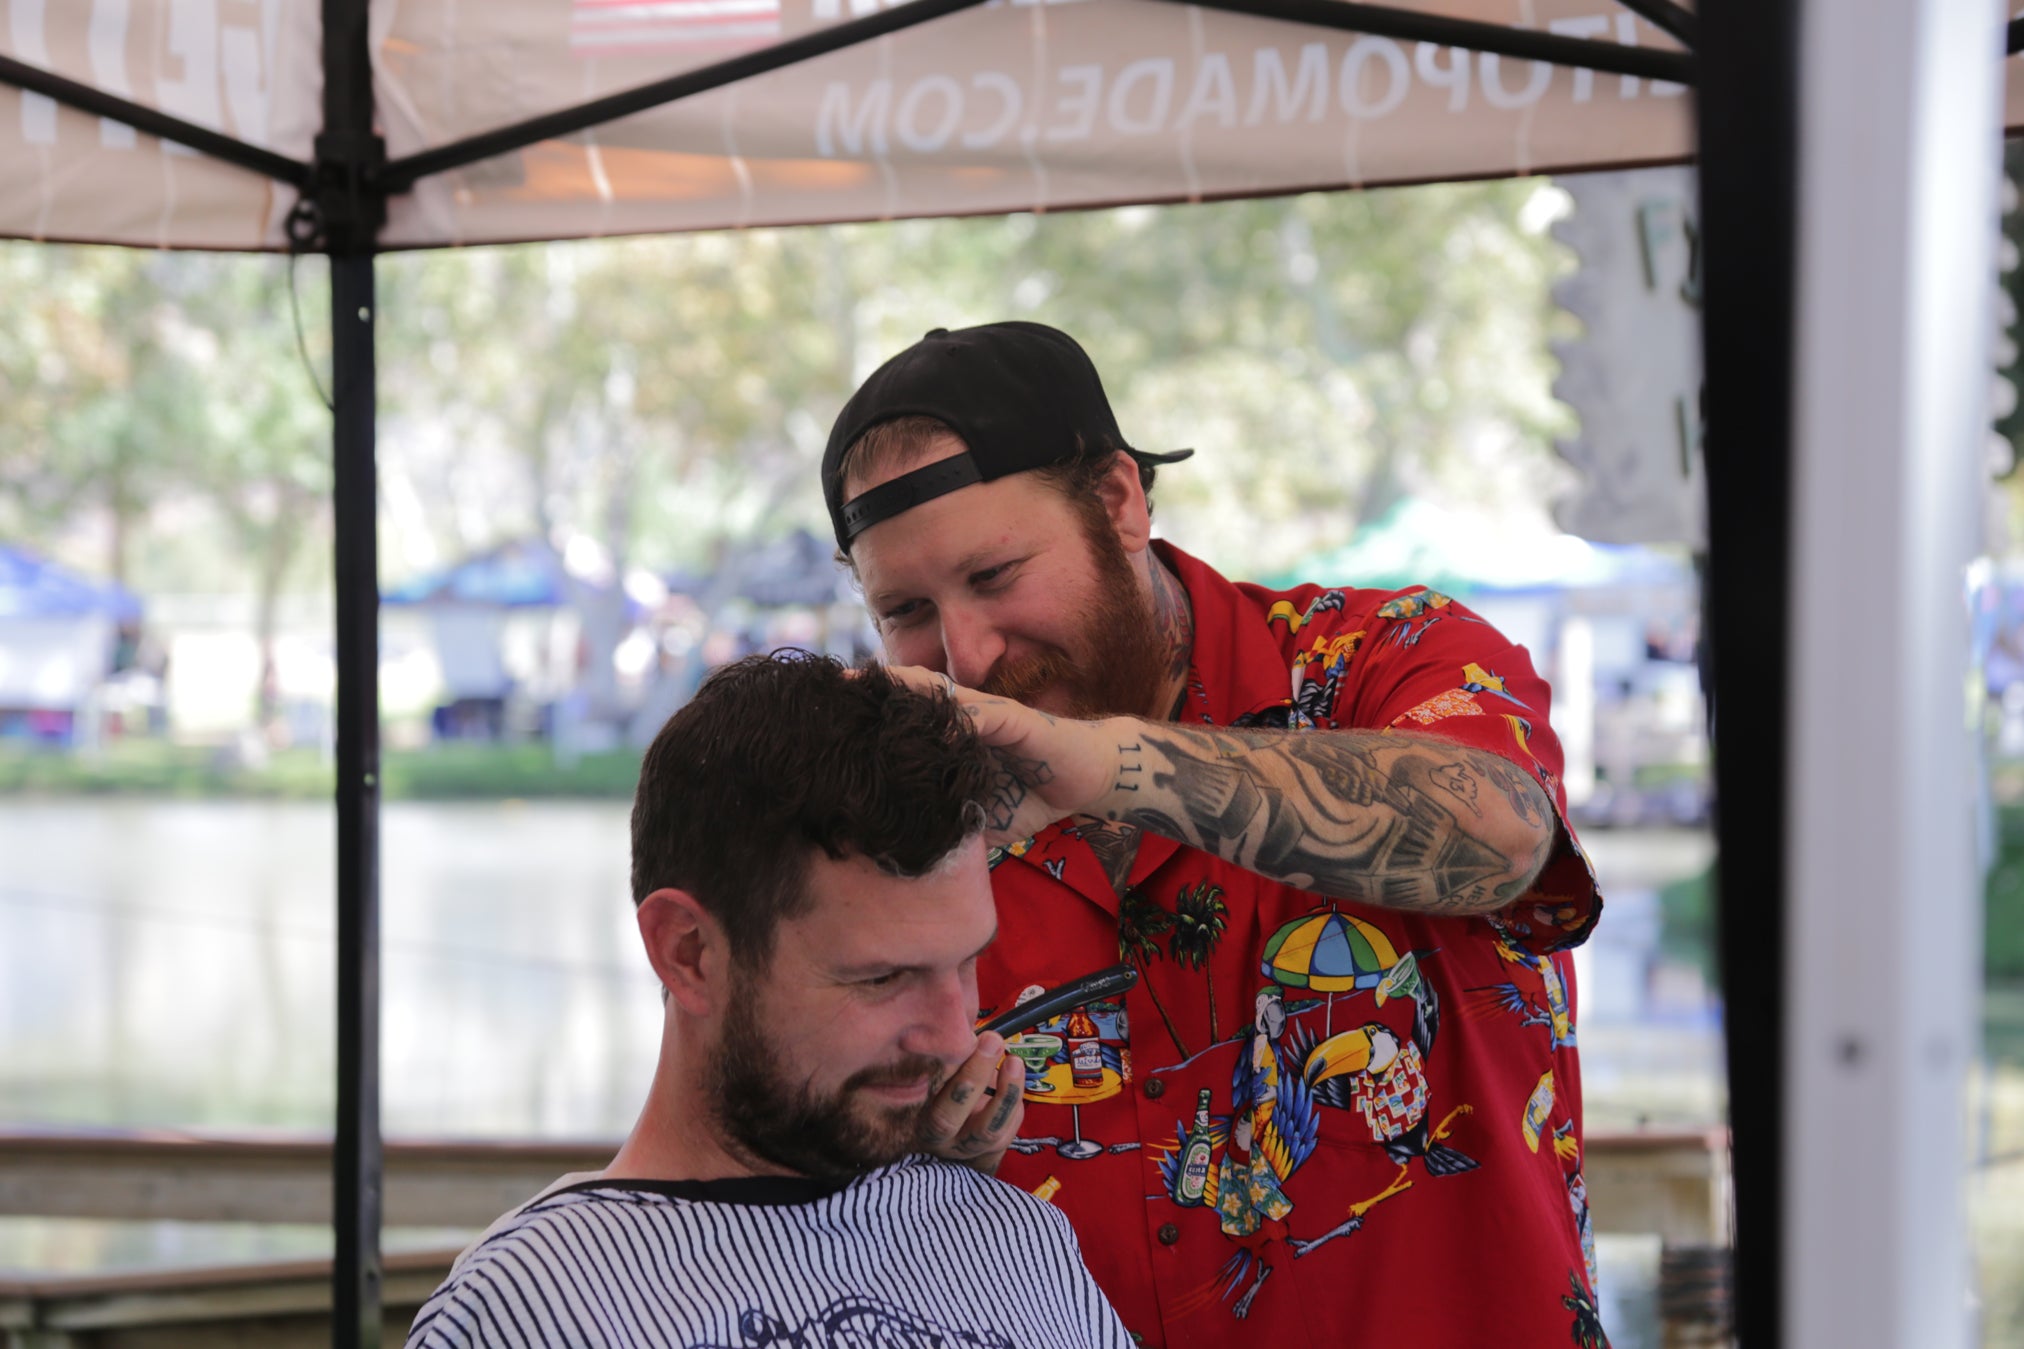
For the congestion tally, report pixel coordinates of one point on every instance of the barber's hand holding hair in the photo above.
(973, 1117)
(1049, 766)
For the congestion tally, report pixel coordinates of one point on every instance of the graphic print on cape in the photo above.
(1243, 1164)
(853, 1321)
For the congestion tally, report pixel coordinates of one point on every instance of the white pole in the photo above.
(1899, 155)
(1574, 712)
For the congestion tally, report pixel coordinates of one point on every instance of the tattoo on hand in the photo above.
(1130, 766)
(1016, 777)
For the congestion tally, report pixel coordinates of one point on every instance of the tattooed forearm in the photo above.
(1525, 795)
(1403, 821)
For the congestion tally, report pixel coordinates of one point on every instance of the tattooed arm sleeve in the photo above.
(1399, 820)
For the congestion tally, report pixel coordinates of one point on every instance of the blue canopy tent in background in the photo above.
(35, 587)
(59, 639)
(470, 606)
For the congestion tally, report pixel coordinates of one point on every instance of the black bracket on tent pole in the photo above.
(140, 117)
(403, 174)
(343, 205)
(1667, 17)
(2015, 37)
(1611, 58)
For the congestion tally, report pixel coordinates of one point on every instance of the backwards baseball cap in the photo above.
(1018, 395)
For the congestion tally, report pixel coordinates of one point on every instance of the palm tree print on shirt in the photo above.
(1200, 917)
(1140, 924)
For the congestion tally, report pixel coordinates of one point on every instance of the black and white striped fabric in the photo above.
(920, 1253)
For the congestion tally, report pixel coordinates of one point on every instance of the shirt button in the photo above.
(1155, 1088)
(1169, 1234)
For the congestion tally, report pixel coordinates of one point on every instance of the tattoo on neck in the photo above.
(1175, 620)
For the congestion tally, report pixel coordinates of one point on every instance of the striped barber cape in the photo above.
(921, 1252)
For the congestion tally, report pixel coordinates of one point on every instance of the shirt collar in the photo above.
(1235, 667)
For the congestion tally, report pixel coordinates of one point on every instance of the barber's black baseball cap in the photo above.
(1019, 395)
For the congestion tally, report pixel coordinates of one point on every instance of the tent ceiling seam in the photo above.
(402, 174)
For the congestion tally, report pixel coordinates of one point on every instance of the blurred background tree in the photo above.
(649, 402)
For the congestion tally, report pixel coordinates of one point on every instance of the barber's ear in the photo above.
(688, 950)
(1124, 501)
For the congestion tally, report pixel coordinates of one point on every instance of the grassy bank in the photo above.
(439, 773)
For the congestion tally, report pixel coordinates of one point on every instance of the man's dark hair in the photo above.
(779, 755)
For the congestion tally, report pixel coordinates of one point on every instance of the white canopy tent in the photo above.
(1848, 153)
(1020, 106)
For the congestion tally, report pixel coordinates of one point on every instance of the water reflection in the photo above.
(172, 964)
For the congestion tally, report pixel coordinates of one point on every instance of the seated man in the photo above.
(809, 870)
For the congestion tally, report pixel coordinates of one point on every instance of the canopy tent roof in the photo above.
(796, 570)
(34, 587)
(1031, 105)
(522, 574)
(1417, 542)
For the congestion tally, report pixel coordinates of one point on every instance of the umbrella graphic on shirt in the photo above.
(1333, 952)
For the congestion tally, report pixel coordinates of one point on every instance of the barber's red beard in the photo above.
(1116, 662)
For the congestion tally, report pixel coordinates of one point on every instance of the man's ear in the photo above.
(1124, 501)
(687, 948)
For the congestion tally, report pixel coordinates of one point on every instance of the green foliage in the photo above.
(492, 772)
(156, 768)
(2004, 933)
(648, 402)
(1687, 922)
(1687, 928)
(441, 773)
(660, 396)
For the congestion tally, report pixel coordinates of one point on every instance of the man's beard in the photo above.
(1117, 663)
(770, 1118)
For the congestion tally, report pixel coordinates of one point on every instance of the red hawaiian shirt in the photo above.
(1315, 1122)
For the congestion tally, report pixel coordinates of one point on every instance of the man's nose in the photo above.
(971, 647)
(945, 1026)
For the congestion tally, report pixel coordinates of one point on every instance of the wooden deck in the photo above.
(1673, 1185)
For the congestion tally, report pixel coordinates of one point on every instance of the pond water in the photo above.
(172, 964)
(168, 963)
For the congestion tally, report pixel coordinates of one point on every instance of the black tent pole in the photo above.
(1748, 110)
(343, 220)
(357, 1163)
